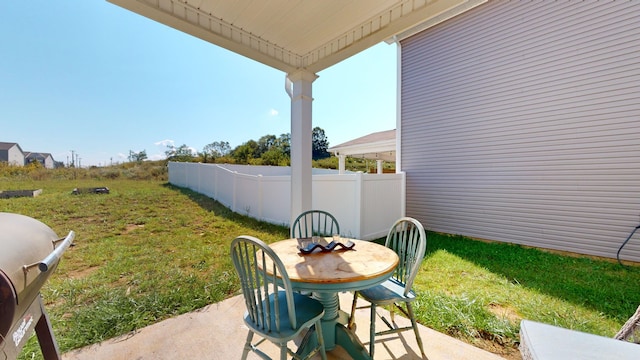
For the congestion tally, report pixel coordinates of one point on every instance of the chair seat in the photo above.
(308, 311)
(389, 292)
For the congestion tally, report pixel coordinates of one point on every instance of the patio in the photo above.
(217, 332)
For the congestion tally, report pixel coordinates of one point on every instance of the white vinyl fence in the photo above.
(365, 205)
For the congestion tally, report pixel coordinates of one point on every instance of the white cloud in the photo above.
(164, 143)
(273, 112)
(162, 147)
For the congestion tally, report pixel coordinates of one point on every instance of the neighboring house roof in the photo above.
(376, 146)
(33, 153)
(37, 155)
(8, 145)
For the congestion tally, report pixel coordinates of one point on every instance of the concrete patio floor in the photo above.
(218, 332)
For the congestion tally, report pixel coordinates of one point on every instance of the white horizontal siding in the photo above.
(520, 122)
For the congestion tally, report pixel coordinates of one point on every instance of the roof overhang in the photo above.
(376, 146)
(291, 35)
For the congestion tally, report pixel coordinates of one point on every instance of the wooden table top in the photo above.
(366, 262)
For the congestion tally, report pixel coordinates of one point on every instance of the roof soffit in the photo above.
(294, 34)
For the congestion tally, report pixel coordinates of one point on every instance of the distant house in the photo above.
(11, 153)
(43, 158)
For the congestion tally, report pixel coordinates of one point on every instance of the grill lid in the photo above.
(24, 241)
(28, 257)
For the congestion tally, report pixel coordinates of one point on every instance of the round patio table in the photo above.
(325, 274)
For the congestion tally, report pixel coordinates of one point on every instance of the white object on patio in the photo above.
(542, 341)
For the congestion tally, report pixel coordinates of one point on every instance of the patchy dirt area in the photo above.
(492, 347)
(509, 353)
(132, 227)
(82, 273)
(505, 312)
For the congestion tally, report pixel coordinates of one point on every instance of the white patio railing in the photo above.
(365, 205)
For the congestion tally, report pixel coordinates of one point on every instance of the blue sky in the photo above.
(97, 79)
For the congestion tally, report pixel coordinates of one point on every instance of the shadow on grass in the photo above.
(602, 285)
(222, 211)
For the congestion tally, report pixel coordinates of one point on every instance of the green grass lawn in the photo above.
(480, 291)
(148, 251)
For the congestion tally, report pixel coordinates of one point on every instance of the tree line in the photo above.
(268, 150)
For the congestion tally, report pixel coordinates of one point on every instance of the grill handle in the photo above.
(56, 254)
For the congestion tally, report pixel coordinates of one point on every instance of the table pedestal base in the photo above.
(334, 330)
(343, 337)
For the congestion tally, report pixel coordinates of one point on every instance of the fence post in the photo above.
(235, 183)
(185, 175)
(216, 170)
(260, 197)
(189, 170)
(199, 169)
(359, 217)
(187, 178)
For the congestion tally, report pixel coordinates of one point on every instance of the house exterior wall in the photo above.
(49, 163)
(520, 122)
(13, 156)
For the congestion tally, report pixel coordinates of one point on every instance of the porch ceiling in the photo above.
(290, 35)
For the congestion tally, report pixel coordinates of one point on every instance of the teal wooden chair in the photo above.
(409, 240)
(314, 223)
(274, 311)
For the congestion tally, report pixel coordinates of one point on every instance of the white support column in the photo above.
(399, 108)
(299, 89)
(379, 165)
(342, 164)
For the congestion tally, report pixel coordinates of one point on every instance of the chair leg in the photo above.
(416, 330)
(247, 345)
(352, 317)
(323, 352)
(392, 313)
(372, 330)
(283, 351)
